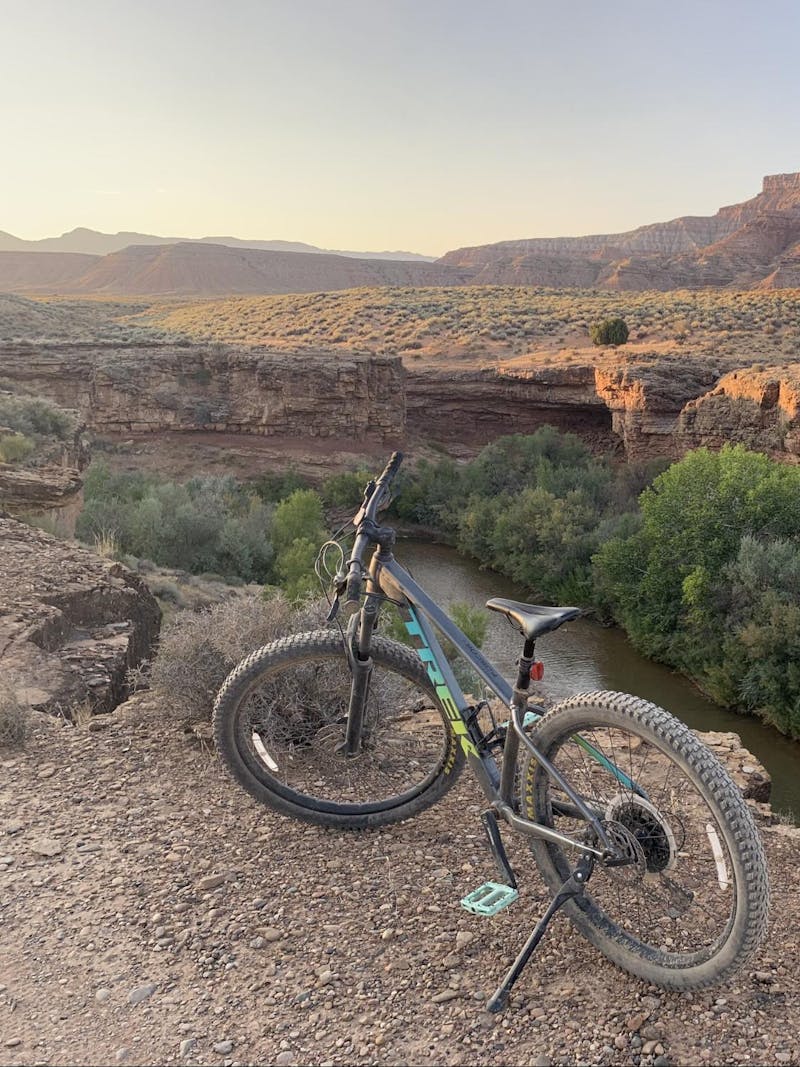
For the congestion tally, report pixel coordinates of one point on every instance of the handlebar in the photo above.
(374, 495)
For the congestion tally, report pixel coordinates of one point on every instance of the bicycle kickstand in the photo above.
(573, 887)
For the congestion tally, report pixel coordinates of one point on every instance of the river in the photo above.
(582, 656)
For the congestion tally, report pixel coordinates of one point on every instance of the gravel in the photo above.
(274, 942)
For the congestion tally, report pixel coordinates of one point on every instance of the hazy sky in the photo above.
(390, 124)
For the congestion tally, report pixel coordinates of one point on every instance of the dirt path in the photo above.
(152, 913)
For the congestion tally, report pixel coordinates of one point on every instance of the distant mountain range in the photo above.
(755, 244)
(198, 269)
(92, 242)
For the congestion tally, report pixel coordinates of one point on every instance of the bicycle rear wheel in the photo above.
(692, 903)
(280, 718)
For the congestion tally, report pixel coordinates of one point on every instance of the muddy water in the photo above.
(584, 656)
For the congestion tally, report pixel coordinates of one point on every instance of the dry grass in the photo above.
(476, 321)
(15, 720)
(469, 326)
(198, 650)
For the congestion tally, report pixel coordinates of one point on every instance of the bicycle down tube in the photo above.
(387, 575)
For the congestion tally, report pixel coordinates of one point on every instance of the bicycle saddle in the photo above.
(532, 619)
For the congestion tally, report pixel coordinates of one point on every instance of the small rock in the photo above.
(463, 938)
(445, 996)
(122, 1054)
(661, 1061)
(258, 942)
(284, 1059)
(271, 933)
(541, 1061)
(212, 881)
(99, 722)
(223, 1047)
(46, 846)
(620, 1041)
(387, 935)
(187, 1046)
(47, 772)
(636, 1021)
(13, 1042)
(102, 995)
(141, 993)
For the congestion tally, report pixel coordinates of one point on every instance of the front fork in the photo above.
(359, 643)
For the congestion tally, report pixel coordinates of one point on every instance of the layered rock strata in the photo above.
(71, 623)
(139, 389)
(310, 406)
(752, 244)
(755, 406)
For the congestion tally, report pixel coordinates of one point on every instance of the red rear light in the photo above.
(537, 671)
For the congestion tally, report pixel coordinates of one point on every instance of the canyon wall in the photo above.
(147, 389)
(643, 407)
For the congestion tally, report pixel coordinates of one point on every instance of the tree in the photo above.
(609, 332)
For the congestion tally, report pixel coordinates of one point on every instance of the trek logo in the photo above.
(425, 653)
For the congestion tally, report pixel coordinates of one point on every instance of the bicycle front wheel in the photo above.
(691, 903)
(280, 719)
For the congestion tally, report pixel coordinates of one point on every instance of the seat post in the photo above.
(524, 664)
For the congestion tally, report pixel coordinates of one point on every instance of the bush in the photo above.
(609, 332)
(15, 447)
(15, 720)
(35, 417)
(198, 650)
(709, 580)
(206, 524)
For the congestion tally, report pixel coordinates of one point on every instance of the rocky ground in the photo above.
(152, 913)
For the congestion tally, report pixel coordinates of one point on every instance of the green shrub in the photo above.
(15, 447)
(609, 332)
(709, 580)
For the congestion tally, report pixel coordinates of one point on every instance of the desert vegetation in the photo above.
(30, 428)
(267, 532)
(474, 324)
(505, 320)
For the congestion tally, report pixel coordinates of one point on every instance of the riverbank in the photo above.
(585, 656)
(153, 913)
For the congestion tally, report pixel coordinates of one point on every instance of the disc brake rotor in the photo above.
(650, 829)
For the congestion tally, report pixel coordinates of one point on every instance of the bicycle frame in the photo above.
(387, 578)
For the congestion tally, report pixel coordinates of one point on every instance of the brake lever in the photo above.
(339, 584)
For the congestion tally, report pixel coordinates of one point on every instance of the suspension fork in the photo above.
(358, 646)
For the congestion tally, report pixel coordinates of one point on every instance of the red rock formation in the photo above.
(750, 244)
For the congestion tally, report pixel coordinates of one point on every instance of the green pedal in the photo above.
(489, 898)
(530, 718)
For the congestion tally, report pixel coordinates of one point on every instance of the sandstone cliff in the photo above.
(755, 243)
(754, 406)
(71, 623)
(308, 406)
(216, 389)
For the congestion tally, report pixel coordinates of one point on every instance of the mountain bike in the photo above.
(635, 827)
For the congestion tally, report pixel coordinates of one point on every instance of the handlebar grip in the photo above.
(391, 468)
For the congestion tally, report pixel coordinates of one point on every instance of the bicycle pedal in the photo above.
(530, 718)
(489, 898)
